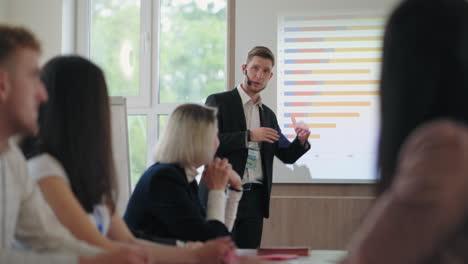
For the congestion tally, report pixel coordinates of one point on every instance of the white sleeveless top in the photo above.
(45, 165)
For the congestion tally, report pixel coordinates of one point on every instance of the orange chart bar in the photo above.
(313, 125)
(335, 39)
(316, 136)
(345, 82)
(331, 93)
(354, 71)
(306, 61)
(332, 17)
(321, 50)
(331, 28)
(322, 115)
(327, 104)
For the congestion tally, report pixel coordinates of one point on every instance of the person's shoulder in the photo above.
(44, 159)
(14, 159)
(165, 171)
(432, 161)
(17, 175)
(14, 153)
(224, 94)
(44, 165)
(164, 167)
(439, 134)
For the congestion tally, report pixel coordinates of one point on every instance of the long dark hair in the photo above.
(75, 129)
(424, 73)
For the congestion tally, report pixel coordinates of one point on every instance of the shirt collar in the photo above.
(6, 146)
(191, 173)
(246, 98)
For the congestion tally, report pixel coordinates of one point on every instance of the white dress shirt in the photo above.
(220, 206)
(252, 120)
(25, 215)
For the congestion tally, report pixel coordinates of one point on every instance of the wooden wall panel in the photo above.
(317, 216)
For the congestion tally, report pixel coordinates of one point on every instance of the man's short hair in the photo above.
(13, 37)
(261, 51)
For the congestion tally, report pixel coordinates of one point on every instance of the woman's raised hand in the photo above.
(216, 174)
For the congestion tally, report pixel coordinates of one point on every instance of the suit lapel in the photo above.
(239, 109)
(262, 117)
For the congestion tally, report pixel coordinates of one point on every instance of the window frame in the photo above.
(147, 103)
(83, 48)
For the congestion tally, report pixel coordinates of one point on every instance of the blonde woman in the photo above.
(165, 201)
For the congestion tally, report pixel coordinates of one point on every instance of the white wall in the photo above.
(256, 24)
(50, 20)
(3, 10)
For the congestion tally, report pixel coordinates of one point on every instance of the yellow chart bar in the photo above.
(341, 104)
(353, 39)
(340, 71)
(356, 49)
(355, 60)
(332, 17)
(326, 114)
(350, 82)
(350, 93)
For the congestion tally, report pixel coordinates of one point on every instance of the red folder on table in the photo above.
(300, 251)
(278, 257)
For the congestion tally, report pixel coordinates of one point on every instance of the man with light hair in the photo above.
(250, 137)
(23, 210)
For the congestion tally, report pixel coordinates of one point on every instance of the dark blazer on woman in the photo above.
(165, 204)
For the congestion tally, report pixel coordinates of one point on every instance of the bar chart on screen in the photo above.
(328, 76)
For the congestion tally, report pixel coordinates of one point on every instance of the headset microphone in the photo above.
(249, 82)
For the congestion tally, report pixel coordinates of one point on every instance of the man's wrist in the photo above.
(234, 189)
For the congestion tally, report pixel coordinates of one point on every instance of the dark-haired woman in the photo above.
(421, 214)
(71, 158)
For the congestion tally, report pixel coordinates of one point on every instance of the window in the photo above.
(158, 54)
(162, 121)
(115, 44)
(137, 146)
(192, 50)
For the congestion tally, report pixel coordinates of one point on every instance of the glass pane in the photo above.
(162, 121)
(192, 49)
(138, 146)
(115, 44)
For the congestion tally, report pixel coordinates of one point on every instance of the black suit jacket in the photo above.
(232, 135)
(165, 204)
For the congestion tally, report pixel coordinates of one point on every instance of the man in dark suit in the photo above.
(250, 137)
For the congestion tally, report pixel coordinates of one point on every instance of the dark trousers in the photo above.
(248, 227)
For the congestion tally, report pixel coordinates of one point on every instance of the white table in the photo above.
(315, 256)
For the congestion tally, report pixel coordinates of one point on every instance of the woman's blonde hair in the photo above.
(189, 136)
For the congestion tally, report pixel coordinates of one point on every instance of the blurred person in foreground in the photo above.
(24, 215)
(421, 213)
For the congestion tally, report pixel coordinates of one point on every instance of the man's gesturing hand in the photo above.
(264, 134)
